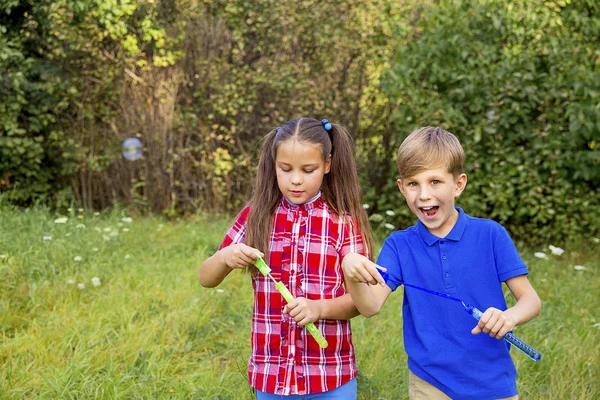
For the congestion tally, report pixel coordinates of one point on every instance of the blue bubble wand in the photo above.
(476, 313)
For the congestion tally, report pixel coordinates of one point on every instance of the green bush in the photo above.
(508, 79)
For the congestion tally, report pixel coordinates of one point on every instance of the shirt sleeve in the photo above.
(508, 261)
(388, 258)
(237, 232)
(353, 242)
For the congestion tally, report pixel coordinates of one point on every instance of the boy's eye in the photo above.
(435, 182)
(412, 184)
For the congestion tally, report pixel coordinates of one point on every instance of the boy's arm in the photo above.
(365, 284)
(498, 323)
(215, 268)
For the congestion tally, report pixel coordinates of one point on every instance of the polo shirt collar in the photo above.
(455, 234)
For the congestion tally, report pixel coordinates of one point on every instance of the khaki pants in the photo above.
(418, 389)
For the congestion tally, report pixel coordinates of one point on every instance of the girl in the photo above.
(305, 215)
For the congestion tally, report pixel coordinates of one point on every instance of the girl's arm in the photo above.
(215, 268)
(304, 310)
(498, 323)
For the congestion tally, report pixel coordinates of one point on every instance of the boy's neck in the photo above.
(452, 223)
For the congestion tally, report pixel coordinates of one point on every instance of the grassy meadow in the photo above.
(108, 306)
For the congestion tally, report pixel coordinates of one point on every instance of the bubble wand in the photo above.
(476, 313)
(280, 286)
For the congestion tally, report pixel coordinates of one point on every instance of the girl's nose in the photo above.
(296, 178)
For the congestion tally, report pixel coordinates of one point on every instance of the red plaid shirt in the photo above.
(308, 243)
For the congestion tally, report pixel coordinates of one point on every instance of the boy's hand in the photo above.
(303, 310)
(494, 322)
(359, 268)
(240, 255)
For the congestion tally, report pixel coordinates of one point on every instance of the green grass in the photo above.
(151, 331)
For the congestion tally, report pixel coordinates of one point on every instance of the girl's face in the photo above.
(300, 170)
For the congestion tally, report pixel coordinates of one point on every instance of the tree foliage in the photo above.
(201, 82)
(517, 82)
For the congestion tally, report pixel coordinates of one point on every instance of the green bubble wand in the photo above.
(310, 327)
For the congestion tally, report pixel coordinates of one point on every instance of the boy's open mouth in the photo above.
(429, 212)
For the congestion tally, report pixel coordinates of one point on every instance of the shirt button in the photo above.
(292, 271)
(447, 274)
(444, 257)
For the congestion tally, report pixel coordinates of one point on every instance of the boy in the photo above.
(451, 252)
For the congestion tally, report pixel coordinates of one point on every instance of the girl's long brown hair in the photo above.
(341, 188)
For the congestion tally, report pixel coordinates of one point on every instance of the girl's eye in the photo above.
(286, 169)
(309, 171)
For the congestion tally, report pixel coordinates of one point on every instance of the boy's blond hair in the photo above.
(430, 148)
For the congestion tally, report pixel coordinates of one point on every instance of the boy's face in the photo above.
(430, 195)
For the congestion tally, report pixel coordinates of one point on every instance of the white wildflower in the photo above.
(376, 218)
(220, 290)
(3, 256)
(539, 254)
(97, 229)
(81, 286)
(125, 229)
(596, 325)
(80, 226)
(580, 267)
(96, 213)
(596, 240)
(95, 249)
(390, 213)
(366, 206)
(46, 237)
(77, 258)
(557, 251)
(119, 224)
(71, 281)
(127, 219)
(114, 233)
(62, 220)
(106, 238)
(80, 210)
(96, 281)
(127, 256)
(106, 229)
(390, 226)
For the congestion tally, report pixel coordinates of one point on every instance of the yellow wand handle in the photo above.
(287, 295)
(310, 327)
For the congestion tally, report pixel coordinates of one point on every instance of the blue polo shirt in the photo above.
(470, 263)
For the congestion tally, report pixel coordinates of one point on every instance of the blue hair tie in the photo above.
(276, 130)
(326, 125)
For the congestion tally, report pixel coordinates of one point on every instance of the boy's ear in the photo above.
(401, 187)
(461, 183)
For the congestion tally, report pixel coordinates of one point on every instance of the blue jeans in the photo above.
(345, 392)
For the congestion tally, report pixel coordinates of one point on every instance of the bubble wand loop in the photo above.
(287, 295)
(476, 313)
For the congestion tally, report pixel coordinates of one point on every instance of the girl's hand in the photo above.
(359, 268)
(495, 322)
(303, 310)
(240, 255)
